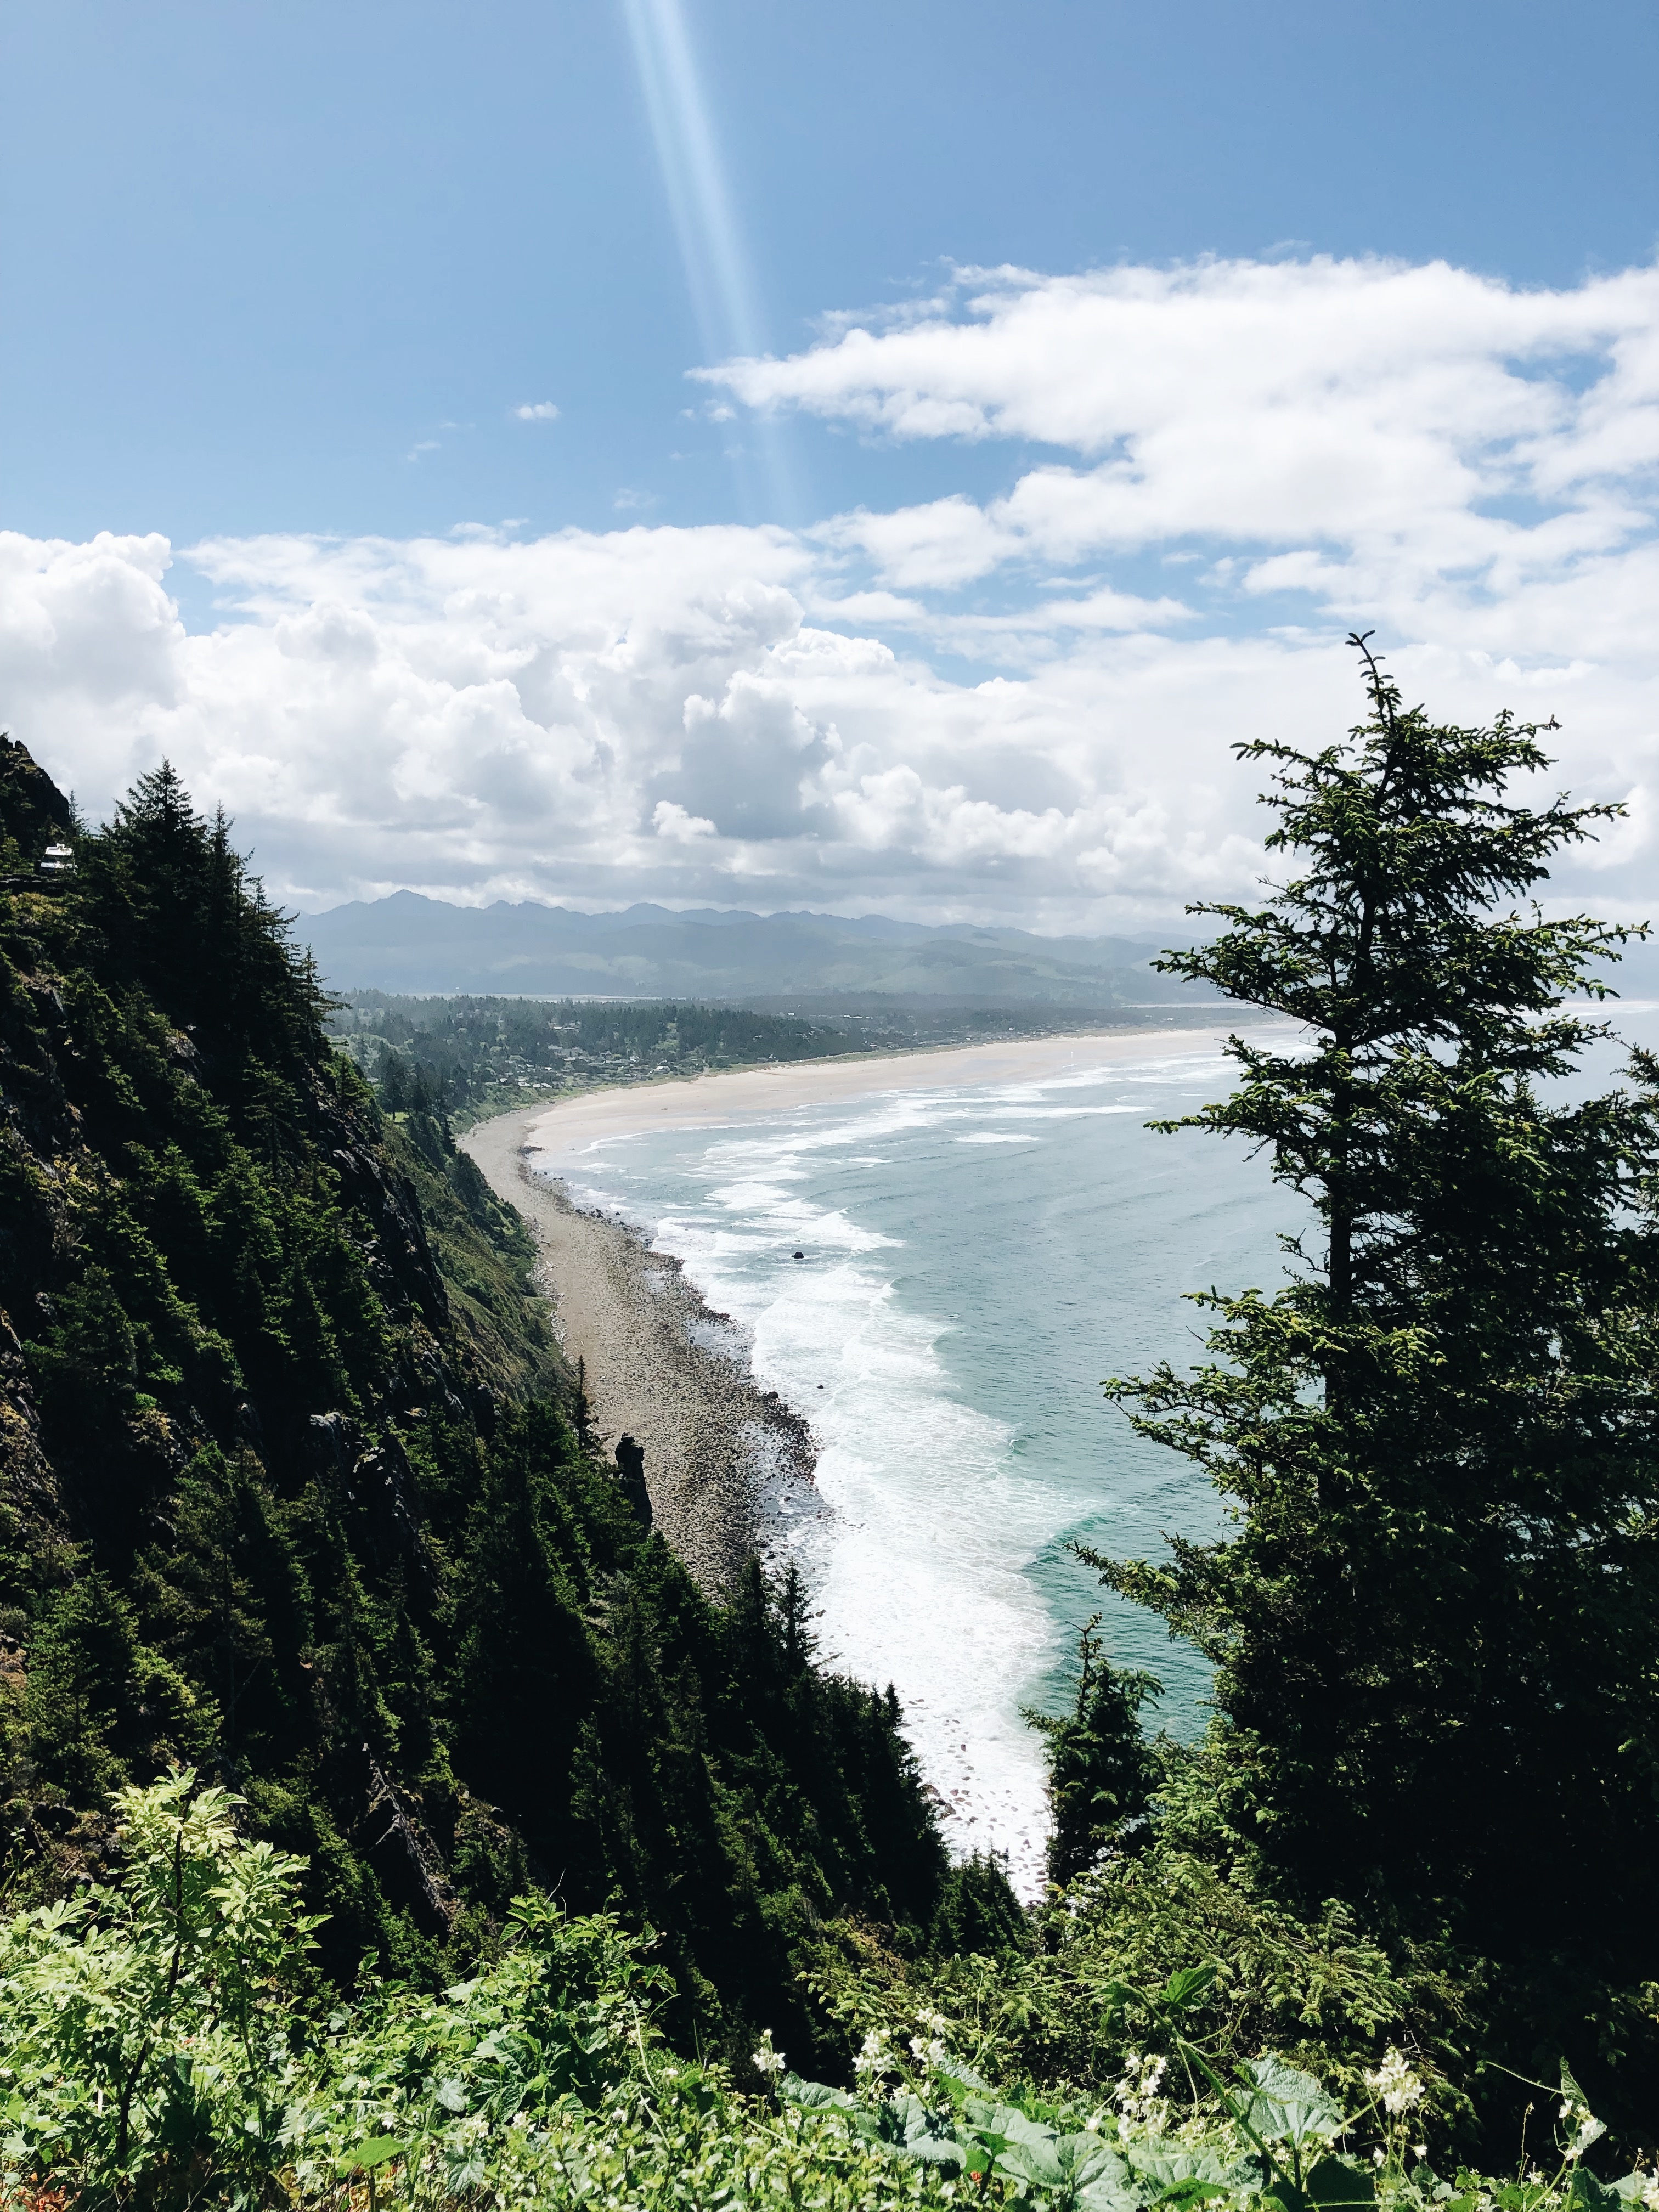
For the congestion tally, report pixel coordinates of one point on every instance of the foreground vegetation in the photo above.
(388, 1816)
(152, 2049)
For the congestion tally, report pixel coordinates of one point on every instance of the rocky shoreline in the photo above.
(661, 1366)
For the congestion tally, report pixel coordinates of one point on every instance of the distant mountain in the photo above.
(408, 943)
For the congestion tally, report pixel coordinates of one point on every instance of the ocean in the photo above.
(974, 1262)
(939, 1280)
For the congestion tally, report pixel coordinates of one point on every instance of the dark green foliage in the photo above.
(33, 812)
(978, 1912)
(1102, 1771)
(1433, 1630)
(468, 1056)
(292, 1489)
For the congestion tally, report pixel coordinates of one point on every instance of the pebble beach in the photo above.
(660, 1366)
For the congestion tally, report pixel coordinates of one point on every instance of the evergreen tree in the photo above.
(1102, 1772)
(1434, 1628)
(294, 1483)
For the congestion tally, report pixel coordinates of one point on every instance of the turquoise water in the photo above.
(974, 1262)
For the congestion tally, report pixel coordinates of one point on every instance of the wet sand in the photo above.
(662, 1368)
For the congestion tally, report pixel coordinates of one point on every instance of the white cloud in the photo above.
(536, 410)
(1404, 422)
(673, 823)
(763, 717)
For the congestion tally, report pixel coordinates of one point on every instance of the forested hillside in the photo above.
(295, 1491)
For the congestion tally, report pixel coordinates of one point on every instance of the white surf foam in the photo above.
(920, 1558)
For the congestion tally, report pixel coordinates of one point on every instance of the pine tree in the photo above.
(1102, 1772)
(1434, 1626)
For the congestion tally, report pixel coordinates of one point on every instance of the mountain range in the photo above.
(409, 943)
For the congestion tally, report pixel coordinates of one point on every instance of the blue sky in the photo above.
(256, 255)
(285, 276)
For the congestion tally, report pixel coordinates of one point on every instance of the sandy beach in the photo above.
(660, 1366)
(569, 1126)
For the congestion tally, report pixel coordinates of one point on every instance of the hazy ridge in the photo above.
(414, 943)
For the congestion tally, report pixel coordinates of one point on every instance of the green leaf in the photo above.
(1570, 2088)
(375, 2151)
(1163, 2171)
(1032, 2162)
(1289, 2105)
(963, 2077)
(1586, 2194)
(1190, 1982)
(814, 2096)
(1111, 2188)
(1285, 2196)
(451, 2095)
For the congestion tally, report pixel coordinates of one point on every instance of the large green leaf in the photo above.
(965, 2079)
(1161, 2169)
(1586, 2194)
(1111, 2187)
(814, 2096)
(1181, 1987)
(903, 2125)
(376, 2152)
(1288, 2105)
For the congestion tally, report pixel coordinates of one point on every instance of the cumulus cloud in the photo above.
(537, 410)
(912, 710)
(1398, 425)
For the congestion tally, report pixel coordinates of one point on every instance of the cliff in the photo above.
(293, 1489)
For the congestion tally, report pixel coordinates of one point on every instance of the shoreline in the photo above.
(661, 1364)
(564, 1127)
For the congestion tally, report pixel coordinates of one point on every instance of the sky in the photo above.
(878, 459)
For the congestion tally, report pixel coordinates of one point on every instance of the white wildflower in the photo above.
(1137, 2093)
(1394, 2083)
(1419, 2150)
(766, 2060)
(1535, 2174)
(1379, 2155)
(873, 2057)
(1650, 2193)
